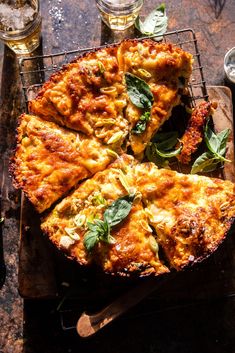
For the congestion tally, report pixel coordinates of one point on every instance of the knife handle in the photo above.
(88, 325)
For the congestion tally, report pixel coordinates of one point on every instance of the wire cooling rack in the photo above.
(34, 71)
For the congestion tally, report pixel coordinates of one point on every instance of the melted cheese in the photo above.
(90, 95)
(133, 248)
(186, 211)
(190, 214)
(50, 160)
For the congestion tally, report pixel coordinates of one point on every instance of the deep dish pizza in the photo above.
(175, 220)
(112, 210)
(90, 94)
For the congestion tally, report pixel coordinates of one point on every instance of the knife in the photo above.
(89, 324)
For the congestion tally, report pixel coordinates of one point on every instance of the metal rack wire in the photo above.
(34, 71)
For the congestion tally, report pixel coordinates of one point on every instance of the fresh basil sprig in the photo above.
(155, 23)
(141, 124)
(205, 163)
(138, 91)
(141, 96)
(216, 144)
(159, 151)
(100, 230)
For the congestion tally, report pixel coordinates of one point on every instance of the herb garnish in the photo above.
(154, 24)
(141, 124)
(159, 151)
(138, 91)
(141, 96)
(216, 144)
(100, 230)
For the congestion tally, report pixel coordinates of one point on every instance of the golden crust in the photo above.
(187, 216)
(50, 160)
(164, 67)
(132, 251)
(89, 94)
(190, 214)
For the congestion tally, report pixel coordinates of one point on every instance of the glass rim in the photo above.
(122, 9)
(227, 56)
(21, 33)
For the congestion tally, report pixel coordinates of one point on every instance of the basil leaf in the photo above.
(223, 139)
(108, 239)
(98, 231)
(118, 210)
(152, 156)
(166, 140)
(154, 23)
(205, 163)
(168, 154)
(138, 91)
(216, 143)
(141, 125)
(114, 214)
(90, 240)
(211, 139)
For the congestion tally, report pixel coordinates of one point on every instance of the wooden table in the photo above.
(26, 326)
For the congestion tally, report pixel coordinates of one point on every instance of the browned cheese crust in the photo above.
(87, 95)
(90, 95)
(164, 67)
(50, 160)
(132, 251)
(175, 219)
(190, 215)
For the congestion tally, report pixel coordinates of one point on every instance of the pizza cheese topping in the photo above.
(187, 216)
(122, 215)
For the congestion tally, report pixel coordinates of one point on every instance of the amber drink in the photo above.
(20, 25)
(119, 14)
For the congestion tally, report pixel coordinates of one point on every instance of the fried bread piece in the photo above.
(50, 160)
(193, 135)
(133, 250)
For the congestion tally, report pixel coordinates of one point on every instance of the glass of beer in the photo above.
(20, 25)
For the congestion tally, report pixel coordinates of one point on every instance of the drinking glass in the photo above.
(20, 25)
(119, 14)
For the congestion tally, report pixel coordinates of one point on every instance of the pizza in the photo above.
(80, 160)
(50, 160)
(175, 220)
(90, 94)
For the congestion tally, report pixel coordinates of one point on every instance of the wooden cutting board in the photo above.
(44, 272)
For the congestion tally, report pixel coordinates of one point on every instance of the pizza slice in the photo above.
(87, 95)
(90, 94)
(50, 160)
(191, 214)
(77, 224)
(166, 69)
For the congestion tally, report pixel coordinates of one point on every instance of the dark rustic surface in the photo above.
(34, 327)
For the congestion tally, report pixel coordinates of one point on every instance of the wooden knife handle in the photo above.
(87, 324)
